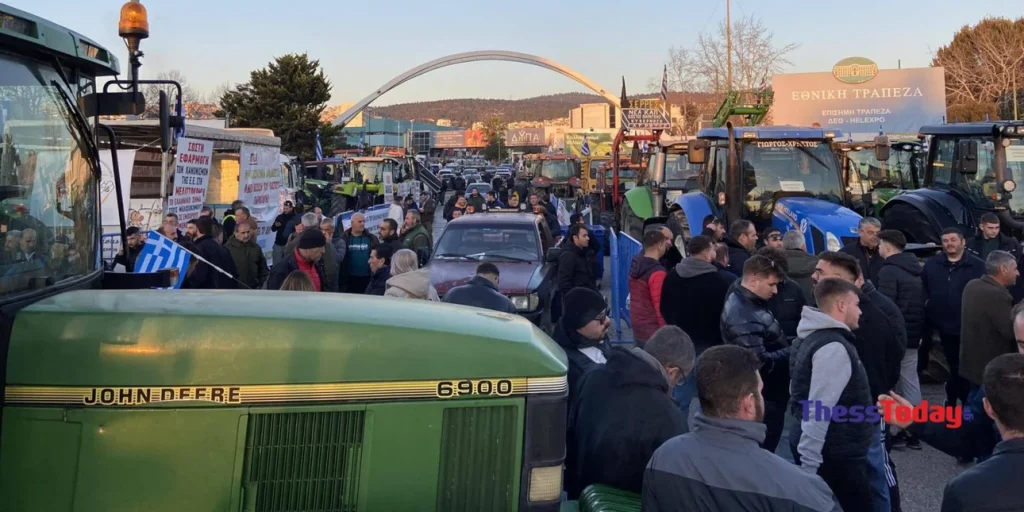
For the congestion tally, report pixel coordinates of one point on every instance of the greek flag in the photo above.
(361, 145)
(161, 253)
(319, 149)
(585, 150)
(664, 88)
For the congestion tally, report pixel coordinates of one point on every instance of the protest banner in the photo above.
(259, 181)
(373, 217)
(191, 178)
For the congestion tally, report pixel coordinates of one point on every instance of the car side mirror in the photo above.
(553, 254)
(882, 148)
(696, 152)
(967, 154)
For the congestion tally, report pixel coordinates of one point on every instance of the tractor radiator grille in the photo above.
(303, 462)
(477, 467)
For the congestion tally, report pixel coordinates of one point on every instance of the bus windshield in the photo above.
(48, 192)
(898, 172)
(801, 166)
(678, 168)
(557, 170)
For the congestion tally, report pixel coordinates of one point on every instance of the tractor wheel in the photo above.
(339, 205)
(912, 222)
(630, 223)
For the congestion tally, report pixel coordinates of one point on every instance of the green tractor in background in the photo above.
(340, 185)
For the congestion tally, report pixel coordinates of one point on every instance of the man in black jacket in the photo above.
(865, 249)
(994, 484)
(742, 240)
(747, 321)
(204, 276)
(900, 281)
(789, 301)
(581, 333)
(387, 234)
(990, 238)
(482, 291)
(945, 276)
(624, 413)
(693, 295)
(800, 263)
(574, 268)
(380, 270)
(827, 375)
(880, 340)
(280, 229)
(306, 257)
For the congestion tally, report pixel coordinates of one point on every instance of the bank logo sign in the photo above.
(855, 70)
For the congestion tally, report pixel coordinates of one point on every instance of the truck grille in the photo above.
(303, 462)
(478, 459)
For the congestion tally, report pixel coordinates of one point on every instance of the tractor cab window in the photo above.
(558, 170)
(942, 167)
(982, 185)
(804, 167)
(897, 172)
(48, 182)
(1015, 166)
(368, 172)
(678, 168)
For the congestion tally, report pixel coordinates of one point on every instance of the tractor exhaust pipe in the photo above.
(1007, 220)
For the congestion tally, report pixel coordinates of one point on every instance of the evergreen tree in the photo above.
(287, 97)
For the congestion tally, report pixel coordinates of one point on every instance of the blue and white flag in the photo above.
(585, 150)
(361, 145)
(319, 149)
(161, 253)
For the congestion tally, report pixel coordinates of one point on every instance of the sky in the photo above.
(362, 45)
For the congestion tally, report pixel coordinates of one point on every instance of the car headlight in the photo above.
(525, 302)
(832, 242)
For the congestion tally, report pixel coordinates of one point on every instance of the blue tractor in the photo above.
(972, 168)
(782, 176)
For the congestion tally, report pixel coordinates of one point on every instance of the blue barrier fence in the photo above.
(624, 248)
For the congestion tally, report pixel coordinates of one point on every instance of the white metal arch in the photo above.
(460, 58)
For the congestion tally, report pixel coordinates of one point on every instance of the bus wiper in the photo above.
(78, 119)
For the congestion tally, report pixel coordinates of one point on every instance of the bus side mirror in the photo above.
(882, 148)
(696, 152)
(967, 154)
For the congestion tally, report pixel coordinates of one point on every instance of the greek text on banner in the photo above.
(191, 178)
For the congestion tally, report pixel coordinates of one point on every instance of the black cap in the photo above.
(581, 306)
(312, 239)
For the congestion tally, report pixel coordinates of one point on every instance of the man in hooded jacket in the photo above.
(581, 332)
(801, 263)
(694, 292)
(741, 241)
(624, 412)
(646, 277)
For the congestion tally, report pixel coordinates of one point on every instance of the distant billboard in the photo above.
(599, 141)
(475, 139)
(859, 99)
(523, 137)
(449, 139)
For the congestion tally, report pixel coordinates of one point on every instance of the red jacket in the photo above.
(646, 276)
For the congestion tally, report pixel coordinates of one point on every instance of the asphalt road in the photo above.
(922, 474)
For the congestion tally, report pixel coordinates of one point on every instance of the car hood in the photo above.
(516, 277)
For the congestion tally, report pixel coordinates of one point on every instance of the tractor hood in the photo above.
(832, 221)
(222, 338)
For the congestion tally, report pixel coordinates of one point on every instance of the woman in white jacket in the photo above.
(408, 280)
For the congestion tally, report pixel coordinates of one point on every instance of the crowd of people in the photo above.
(729, 344)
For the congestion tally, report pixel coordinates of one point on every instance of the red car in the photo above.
(517, 243)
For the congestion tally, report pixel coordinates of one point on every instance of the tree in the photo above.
(190, 98)
(494, 131)
(983, 65)
(287, 97)
(755, 57)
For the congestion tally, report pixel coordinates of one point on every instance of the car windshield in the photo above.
(557, 170)
(796, 166)
(897, 172)
(1015, 162)
(48, 185)
(678, 167)
(489, 242)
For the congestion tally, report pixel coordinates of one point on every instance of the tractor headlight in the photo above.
(832, 242)
(525, 302)
(1009, 186)
(545, 483)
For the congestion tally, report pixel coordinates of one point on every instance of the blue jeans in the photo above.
(683, 394)
(877, 472)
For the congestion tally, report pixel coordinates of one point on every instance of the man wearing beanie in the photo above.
(581, 332)
(307, 257)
